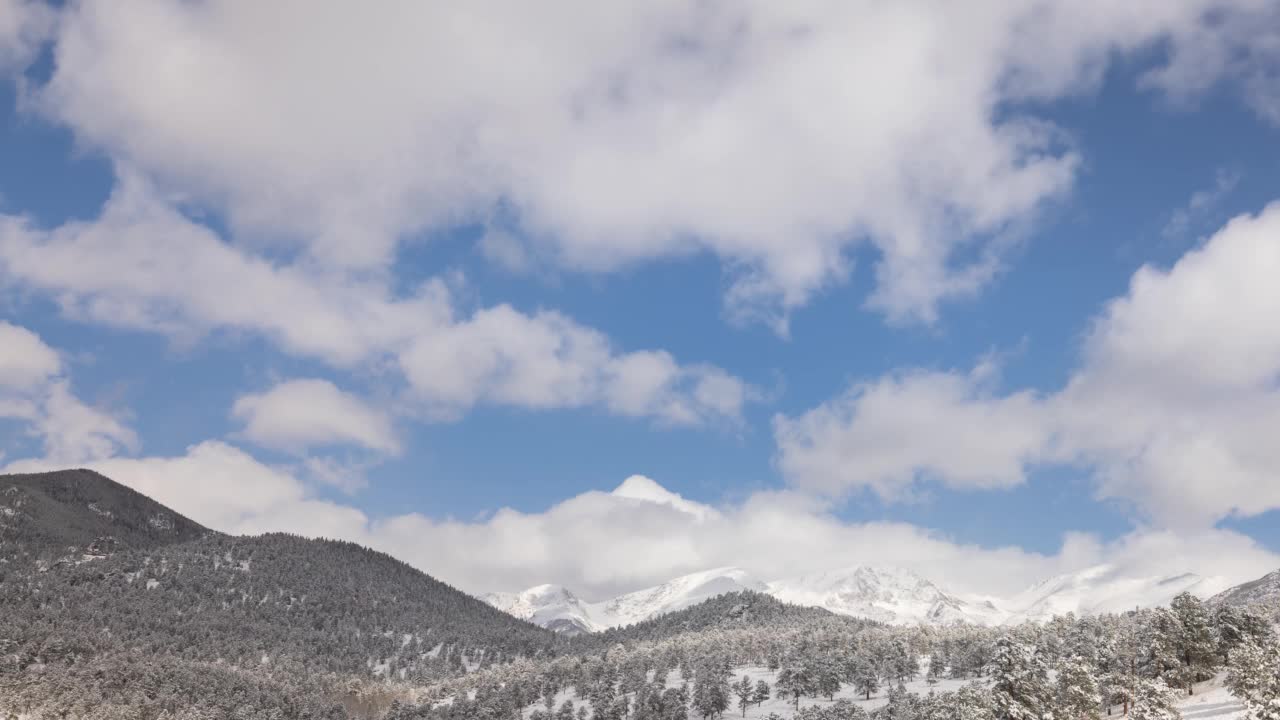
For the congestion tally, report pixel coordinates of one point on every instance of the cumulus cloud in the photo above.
(35, 390)
(640, 534)
(25, 359)
(1242, 47)
(24, 25)
(299, 414)
(893, 433)
(143, 264)
(780, 138)
(1170, 408)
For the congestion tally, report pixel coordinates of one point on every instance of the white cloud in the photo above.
(144, 265)
(35, 390)
(506, 250)
(779, 137)
(1201, 203)
(891, 434)
(24, 25)
(1242, 47)
(1178, 386)
(1172, 407)
(24, 358)
(603, 543)
(299, 414)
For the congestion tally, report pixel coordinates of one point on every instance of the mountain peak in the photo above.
(639, 487)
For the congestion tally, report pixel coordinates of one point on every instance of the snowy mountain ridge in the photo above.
(1264, 591)
(556, 608)
(886, 594)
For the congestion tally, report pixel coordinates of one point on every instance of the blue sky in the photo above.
(790, 271)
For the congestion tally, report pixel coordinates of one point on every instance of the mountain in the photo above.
(556, 608)
(1102, 589)
(889, 595)
(1264, 592)
(136, 594)
(894, 596)
(731, 610)
(72, 514)
(549, 606)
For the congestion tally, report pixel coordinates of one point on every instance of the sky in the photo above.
(598, 295)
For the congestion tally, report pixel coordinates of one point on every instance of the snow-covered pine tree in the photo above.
(936, 668)
(761, 693)
(1254, 676)
(745, 693)
(866, 681)
(1076, 695)
(1154, 700)
(1237, 625)
(1020, 681)
(1198, 644)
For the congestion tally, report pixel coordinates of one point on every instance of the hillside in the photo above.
(78, 512)
(1263, 592)
(289, 621)
(734, 610)
(557, 608)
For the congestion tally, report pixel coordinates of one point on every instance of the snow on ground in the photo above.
(1212, 701)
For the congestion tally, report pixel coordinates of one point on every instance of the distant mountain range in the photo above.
(890, 595)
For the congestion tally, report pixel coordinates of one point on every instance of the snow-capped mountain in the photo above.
(1265, 591)
(556, 608)
(890, 595)
(1100, 589)
(550, 606)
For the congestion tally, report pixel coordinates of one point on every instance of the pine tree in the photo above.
(865, 679)
(566, 711)
(1077, 696)
(1197, 644)
(1019, 688)
(711, 689)
(935, 669)
(1254, 676)
(1154, 700)
(745, 692)
(761, 693)
(971, 702)
(792, 682)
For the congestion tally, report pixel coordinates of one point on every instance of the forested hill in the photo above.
(245, 622)
(70, 513)
(724, 612)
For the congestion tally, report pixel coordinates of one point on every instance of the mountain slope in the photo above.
(60, 513)
(549, 606)
(1263, 592)
(556, 608)
(882, 594)
(1102, 589)
(889, 595)
(739, 609)
(289, 621)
